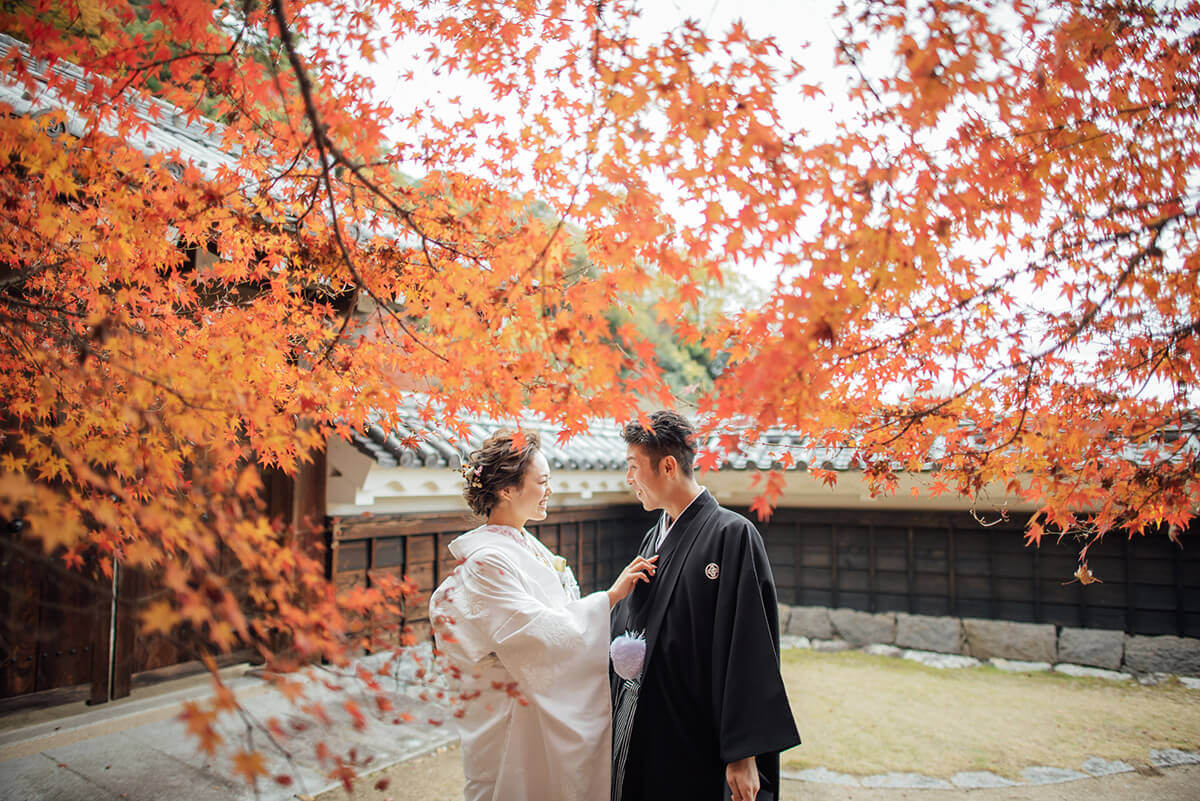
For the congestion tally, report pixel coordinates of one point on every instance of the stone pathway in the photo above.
(140, 750)
(977, 780)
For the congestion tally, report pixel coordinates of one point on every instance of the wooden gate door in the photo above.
(55, 626)
(70, 635)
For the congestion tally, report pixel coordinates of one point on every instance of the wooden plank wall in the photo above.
(596, 541)
(944, 563)
(54, 640)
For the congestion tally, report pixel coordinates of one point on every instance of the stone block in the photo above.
(941, 661)
(787, 641)
(830, 646)
(927, 633)
(1017, 666)
(979, 780)
(906, 781)
(1173, 757)
(1153, 679)
(1093, 647)
(882, 649)
(1030, 642)
(821, 776)
(1166, 654)
(785, 614)
(1085, 672)
(863, 628)
(1040, 774)
(1095, 766)
(810, 621)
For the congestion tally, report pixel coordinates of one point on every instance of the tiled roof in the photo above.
(168, 128)
(184, 138)
(601, 448)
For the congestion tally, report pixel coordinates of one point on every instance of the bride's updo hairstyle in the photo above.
(497, 465)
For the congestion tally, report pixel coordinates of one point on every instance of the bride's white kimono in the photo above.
(510, 626)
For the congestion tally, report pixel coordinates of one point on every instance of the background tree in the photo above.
(688, 366)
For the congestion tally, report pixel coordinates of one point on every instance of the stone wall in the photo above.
(987, 639)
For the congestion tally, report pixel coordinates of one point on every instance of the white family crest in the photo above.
(712, 570)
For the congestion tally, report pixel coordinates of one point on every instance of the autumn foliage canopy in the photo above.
(989, 250)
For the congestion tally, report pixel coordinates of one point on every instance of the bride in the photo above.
(526, 657)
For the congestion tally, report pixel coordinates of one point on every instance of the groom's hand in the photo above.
(742, 777)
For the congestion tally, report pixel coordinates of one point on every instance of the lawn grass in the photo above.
(864, 714)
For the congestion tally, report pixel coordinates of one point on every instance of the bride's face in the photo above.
(529, 498)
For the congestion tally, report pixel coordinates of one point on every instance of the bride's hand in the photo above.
(640, 569)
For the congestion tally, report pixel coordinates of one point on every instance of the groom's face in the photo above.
(648, 480)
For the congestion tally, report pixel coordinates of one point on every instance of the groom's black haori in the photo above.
(710, 691)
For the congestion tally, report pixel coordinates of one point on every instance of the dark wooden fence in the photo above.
(596, 541)
(61, 641)
(946, 563)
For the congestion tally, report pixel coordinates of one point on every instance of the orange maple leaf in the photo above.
(159, 617)
(249, 765)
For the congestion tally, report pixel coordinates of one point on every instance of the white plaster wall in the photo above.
(802, 490)
(394, 490)
(357, 484)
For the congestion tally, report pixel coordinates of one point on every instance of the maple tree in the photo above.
(995, 254)
(1003, 276)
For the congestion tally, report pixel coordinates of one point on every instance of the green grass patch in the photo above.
(865, 714)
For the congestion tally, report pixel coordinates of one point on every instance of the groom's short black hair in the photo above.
(669, 434)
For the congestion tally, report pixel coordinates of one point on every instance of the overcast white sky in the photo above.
(802, 30)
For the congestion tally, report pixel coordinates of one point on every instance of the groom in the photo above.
(709, 714)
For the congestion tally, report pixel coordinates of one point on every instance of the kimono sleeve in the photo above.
(538, 644)
(749, 697)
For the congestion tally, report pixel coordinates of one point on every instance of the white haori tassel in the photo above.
(628, 652)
